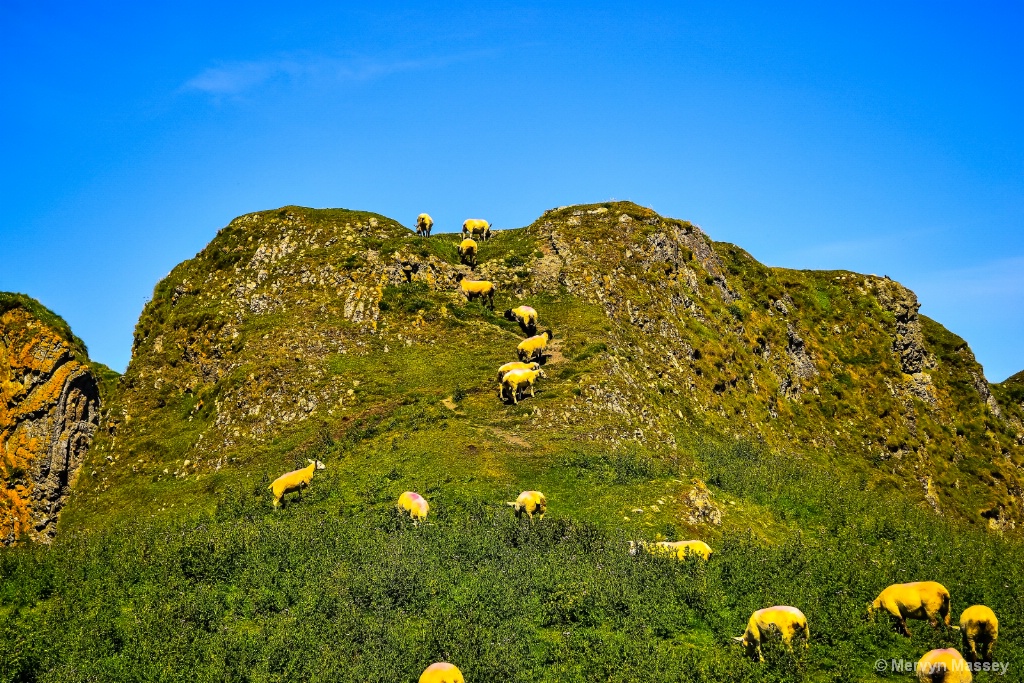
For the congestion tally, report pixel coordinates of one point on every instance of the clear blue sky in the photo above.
(885, 138)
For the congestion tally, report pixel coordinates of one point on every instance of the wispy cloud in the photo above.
(236, 78)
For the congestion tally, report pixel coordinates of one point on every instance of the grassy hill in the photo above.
(301, 330)
(823, 437)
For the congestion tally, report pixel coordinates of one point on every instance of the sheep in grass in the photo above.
(476, 226)
(525, 316)
(467, 252)
(979, 629)
(534, 347)
(294, 480)
(442, 672)
(423, 224)
(916, 600)
(943, 666)
(516, 382)
(787, 622)
(530, 502)
(415, 504)
(477, 289)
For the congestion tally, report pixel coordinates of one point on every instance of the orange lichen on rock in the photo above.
(49, 409)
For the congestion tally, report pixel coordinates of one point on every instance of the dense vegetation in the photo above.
(324, 590)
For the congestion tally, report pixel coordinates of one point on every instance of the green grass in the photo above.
(332, 588)
(12, 300)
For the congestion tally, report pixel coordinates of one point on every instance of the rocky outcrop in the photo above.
(49, 411)
(908, 343)
(297, 320)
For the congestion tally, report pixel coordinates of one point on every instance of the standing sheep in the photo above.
(533, 348)
(476, 226)
(423, 224)
(525, 316)
(530, 502)
(979, 629)
(516, 382)
(294, 480)
(477, 289)
(916, 600)
(789, 622)
(467, 252)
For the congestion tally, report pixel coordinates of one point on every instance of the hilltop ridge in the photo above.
(300, 331)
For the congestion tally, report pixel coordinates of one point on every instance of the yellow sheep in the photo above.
(676, 549)
(515, 365)
(533, 348)
(467, 252)
(442, 672)
(979, 629)
(477, 289)
(423, 224)
(943, 666)
(515, 383)
(788, 622)
(476, 226)
(530, 502)
(917, 600)
(415, 504)
(294, 480)
(525, 316)
(509, 367)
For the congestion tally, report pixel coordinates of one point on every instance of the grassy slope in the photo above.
(106, 377)
(329, 591)
(249, 594)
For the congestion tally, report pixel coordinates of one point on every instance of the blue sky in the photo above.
(884, 138)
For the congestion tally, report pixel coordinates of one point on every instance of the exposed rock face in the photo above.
(908, 343)
(49, 411)
(297, 320)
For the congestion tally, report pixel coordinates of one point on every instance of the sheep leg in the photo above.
(971, 649)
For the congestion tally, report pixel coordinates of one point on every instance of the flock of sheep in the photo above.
(925, 600)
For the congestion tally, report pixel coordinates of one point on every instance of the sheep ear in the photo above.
(510, 504)
(738, 639)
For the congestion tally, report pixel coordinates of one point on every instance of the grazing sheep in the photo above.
(943, 666)
(533, 348)
(516, 382)
(442, 672)
(979, 629)
(423, 224)
(515, 365)
(477, 288)
(525, 316)
(476, 226)
(415, 505)
(530, 502)
(917, 600)
(467, 252)
(786, 621)
(294, 480)
(677, 549)
(509, 367)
